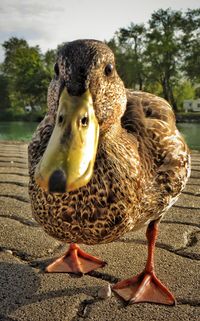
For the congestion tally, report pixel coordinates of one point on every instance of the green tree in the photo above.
(49, 59)
(163, 50)
(191, 44)
(28, 73)
(4, 93)
(182, 91)
(128, 45)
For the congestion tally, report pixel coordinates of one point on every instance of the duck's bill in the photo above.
(68, 161)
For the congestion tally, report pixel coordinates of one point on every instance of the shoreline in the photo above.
(188, 118)
(23, 142)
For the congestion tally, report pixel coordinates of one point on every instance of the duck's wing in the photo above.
(151, 120)
(147, 111)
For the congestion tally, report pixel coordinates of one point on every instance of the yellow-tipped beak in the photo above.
(68, 161)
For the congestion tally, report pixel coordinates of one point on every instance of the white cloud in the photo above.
(48, 23)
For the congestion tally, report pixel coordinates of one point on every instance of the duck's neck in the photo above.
(113, 131)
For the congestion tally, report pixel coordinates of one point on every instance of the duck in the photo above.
(104, 161)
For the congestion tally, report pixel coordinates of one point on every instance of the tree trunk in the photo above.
(165, 89)
(172, 99)
(168, 93)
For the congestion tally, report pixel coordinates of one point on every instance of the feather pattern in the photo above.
(141, 167)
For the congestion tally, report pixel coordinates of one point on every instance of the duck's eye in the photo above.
(109, 69)
(60, 119)
(84, 121)
(56, 69)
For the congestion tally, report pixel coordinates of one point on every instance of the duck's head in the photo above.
(88, 98)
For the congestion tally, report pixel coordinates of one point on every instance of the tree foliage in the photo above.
(4, 92)
(28, 74)
(161, 57)
(191, 43)
(128, 45)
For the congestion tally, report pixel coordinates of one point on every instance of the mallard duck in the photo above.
(104, 161)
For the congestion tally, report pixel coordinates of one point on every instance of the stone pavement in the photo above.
(29, 294)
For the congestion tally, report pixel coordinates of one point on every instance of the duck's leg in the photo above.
(146, 287)
(75, 261)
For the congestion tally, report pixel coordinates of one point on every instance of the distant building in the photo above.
(37, 107)
(191, 105)
(28, 109)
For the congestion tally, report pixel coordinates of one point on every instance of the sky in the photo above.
(48, 23)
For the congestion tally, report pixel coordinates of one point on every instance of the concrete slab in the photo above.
(11, 207)
(29, 294)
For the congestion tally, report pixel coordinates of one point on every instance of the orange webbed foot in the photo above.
(145, 287)
(76, 261)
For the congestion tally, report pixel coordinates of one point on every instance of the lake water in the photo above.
(191, 132)
(24, 130)
(17, 130)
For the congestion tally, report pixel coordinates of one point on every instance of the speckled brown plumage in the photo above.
(142, 161)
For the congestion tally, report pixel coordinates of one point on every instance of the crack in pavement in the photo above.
(24, 257)
(13, 166)
(104, 276)
(30, 259)
(192, 184)
(41, 264)
(84, 309)
(193, 303)
(6, 318)
(13, 173)
(13, 161)
(16, 197)
(180, 223)
(19, 155)
(186, 207)
(194, 177)
(192, 239)
(85, 306)
(21, 220)
(180, 252)
(11, 151)
(191, 194)
(14, 183)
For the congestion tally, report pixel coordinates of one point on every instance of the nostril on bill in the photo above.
(57, 182)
